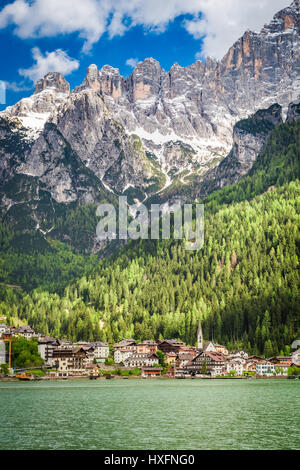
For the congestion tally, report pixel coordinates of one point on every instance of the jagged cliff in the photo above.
(113, 135)
(249, 138)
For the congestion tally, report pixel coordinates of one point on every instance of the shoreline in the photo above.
(64, 379)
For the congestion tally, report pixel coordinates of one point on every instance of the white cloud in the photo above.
(40, 18)
(132, 62)
(223, 21)
(56, 61)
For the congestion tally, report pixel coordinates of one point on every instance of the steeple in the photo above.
(200, 336)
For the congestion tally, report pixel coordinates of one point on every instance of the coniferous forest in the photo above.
(244, 283)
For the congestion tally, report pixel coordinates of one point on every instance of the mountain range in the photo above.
(155, 135)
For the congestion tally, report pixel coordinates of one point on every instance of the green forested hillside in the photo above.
(278, 163)
(244, 283)
(30, 261)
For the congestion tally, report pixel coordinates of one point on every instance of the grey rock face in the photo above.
(200, 104)
(293, 114)
(42, 106)
(139, 135)
(104, 146)
(249, 138)
(53, 80)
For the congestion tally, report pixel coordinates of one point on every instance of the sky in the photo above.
(39, 36)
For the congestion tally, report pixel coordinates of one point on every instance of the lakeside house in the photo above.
(236, 364)
(168, 346)
(265, 368)
(120, 355)
(151, 371)
(141, 360)
(171, 359)
(129, 344)
(146, 347)
(183, 360)
(46, 346)
(215, 364)
(283, 361)
(71, 361)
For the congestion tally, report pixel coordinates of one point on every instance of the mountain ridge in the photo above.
(137, 136)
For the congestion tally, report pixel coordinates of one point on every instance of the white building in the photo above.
(296, 357)
(238, 354)
(46, 346)
(120, 355)
(141, 360)
(236, 364)
(101, 350)
(26, 331)
(265, 368)
(129, 344)
(2, 329)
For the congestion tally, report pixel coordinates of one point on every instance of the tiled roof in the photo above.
(185, 357)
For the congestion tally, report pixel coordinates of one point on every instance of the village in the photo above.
(147, 359)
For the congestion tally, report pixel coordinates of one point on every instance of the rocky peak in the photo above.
(111, 82)
(92, 73)
(286, 19)
(92, 79)
(55, 81)
(109, 71)
(175, 67)
(106, 81)
(145, 80)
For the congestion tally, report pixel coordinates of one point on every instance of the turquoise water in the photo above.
(150, 414)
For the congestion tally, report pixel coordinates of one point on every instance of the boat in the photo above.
(25, 377)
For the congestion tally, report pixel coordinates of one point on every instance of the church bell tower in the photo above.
(200, 336)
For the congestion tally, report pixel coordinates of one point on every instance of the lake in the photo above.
(150, 414)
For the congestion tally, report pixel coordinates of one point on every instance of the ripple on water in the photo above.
(158, 414)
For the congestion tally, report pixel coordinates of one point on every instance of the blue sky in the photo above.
(37, 36)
